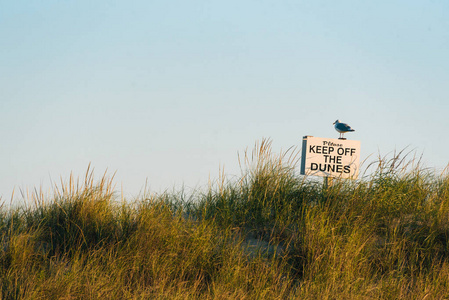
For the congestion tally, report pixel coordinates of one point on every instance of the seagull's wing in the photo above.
(343, 127)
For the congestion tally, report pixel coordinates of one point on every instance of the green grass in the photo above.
(269, 234)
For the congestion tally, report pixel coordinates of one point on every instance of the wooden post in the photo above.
(328, 180)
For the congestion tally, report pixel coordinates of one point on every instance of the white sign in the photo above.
(330, 157)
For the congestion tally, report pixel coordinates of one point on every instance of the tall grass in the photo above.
(270, 234)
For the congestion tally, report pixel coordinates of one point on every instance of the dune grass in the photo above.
(269, 234)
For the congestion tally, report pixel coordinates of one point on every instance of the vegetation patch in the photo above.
(270, 234)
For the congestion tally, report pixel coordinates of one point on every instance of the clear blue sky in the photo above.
(169, 91)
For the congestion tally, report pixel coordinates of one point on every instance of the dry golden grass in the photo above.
(271, 234)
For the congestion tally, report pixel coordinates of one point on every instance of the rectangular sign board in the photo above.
(330, 157)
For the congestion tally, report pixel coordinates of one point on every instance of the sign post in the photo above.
(333, 158)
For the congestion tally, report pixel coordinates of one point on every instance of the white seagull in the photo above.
(342, 128)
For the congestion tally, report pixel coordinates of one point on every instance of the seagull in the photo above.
(342, 128)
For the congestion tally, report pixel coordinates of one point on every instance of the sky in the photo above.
(167, 94)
